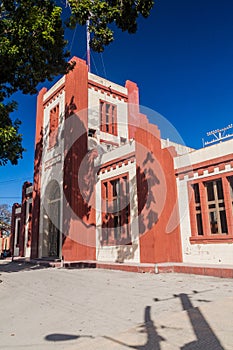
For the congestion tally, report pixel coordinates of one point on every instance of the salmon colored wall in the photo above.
(158, 212)
(78, 226)
(133, 107)
(156, 186)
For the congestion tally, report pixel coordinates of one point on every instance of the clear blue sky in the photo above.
(182, 60)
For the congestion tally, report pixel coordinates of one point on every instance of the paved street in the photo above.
(45, 308)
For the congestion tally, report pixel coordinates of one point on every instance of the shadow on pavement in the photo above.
(205, 337)
(153, 338)
(16, 266)
(64, 337)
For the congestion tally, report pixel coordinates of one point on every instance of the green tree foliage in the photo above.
(31, 51)
(101, 14)
(31, 44)
(10, 140)
(32, 48)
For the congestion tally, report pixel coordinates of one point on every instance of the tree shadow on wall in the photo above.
(126, 252)
(146, 184)
(51, 172)
(80, 175)
(79, 179)
(36, 194)
(79, 170)
(144, 213)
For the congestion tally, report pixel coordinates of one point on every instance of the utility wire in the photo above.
(17, 179)
(10, 197)
(73, 37)
(105, 75)
(94, 64)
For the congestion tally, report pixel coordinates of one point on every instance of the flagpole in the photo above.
(88, 46)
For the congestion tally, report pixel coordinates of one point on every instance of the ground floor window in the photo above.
(211, 209)
(230, 180)
(198, 209)
(216, 207)
(115, 211)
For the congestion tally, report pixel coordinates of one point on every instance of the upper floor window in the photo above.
(53, 126)
(108, 117)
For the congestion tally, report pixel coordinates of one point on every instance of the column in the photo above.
(204, 210)
(228, 204)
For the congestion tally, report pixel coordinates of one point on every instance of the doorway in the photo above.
(51, 221)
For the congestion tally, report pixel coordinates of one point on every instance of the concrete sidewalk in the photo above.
(216, 270)
(203, 328)
(48, 309)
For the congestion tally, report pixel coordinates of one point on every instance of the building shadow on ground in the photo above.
(205, 336)
(16, 266)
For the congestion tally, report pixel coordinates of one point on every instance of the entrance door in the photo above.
(51, 222)
(54, 232)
